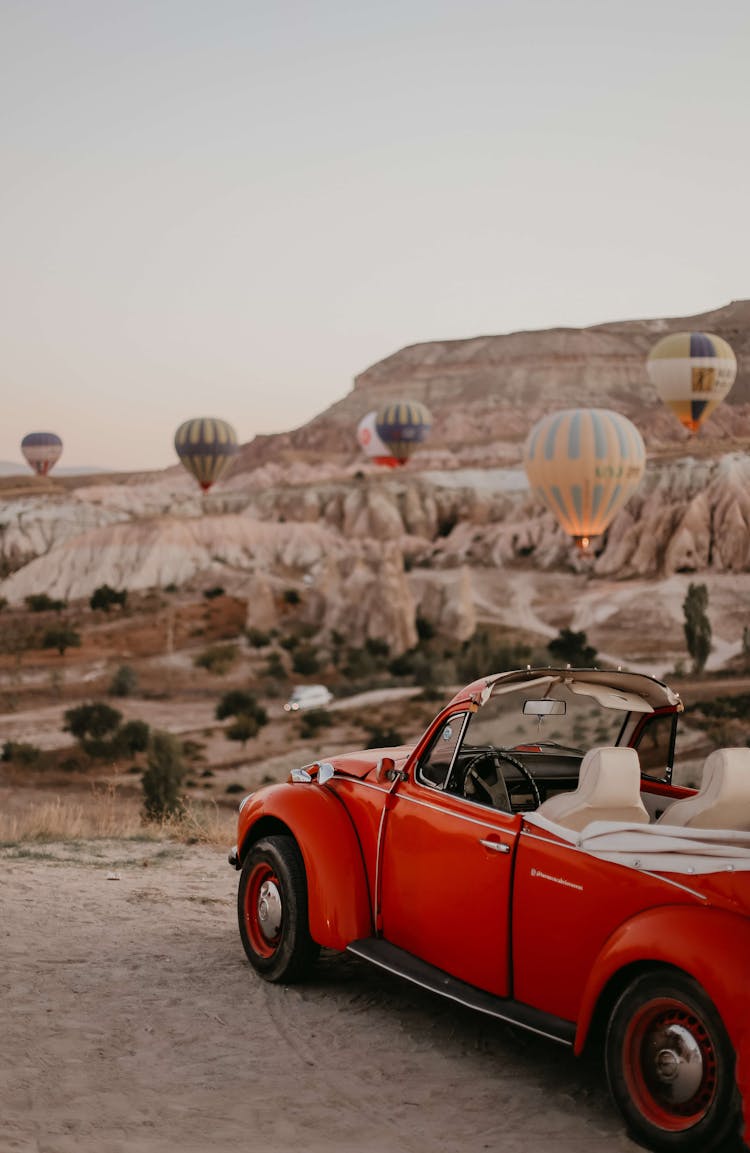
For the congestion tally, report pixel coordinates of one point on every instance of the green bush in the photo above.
(91, 721)
(162, 780)
(244, 728)
(291, 597)
(257, 638)
(61, 637)
(213, 593)
(571, 648)
(238, 702)
(218, 659)
(133, 737)
(41, 603)
(104, 597)
(383, 738)
(124, 682)
(305, 660)
(21, 753)
(311, 722)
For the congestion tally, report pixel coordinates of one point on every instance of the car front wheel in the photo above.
(670, 1065)
(272, 910)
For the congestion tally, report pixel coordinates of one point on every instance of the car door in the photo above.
(445, 882)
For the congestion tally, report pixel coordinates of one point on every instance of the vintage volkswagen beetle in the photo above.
(539, 803)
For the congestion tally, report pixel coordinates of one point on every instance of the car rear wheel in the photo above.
(670, 1065)
(272, 910)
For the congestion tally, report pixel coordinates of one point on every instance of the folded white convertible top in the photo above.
(657, 848)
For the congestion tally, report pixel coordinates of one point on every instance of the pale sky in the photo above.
(231, 208)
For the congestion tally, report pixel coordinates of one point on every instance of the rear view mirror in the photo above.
(546, 708)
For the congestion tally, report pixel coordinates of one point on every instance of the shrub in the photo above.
(218, 659)
(571, 648)
(163, 777)
(61, 637)
(104, 597)
(91, 721)
(124, 682)
(275, 667)
(313, 721)
(383, 738)
(132, 737)
(21, 753)
(257, 638)
(237, 703)
(235, 788)
(41, 603)
(305, 660)
(212, 593)
(244, 728)
(291, 597)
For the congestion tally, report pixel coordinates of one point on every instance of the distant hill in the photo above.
(14, 468)
(486, 392)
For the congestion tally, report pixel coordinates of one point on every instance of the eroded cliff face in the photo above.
(370, 549)
(371, 552)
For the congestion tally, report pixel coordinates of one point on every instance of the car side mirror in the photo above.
(385, 768)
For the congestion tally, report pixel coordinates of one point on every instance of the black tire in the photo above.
(272, 911)
(670, 1065)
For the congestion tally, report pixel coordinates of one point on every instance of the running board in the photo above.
(403, 964)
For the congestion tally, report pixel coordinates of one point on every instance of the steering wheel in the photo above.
(497, 792)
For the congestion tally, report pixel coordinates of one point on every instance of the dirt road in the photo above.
(133, 1024)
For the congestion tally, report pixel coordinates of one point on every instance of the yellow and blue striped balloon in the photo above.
(692, 372)
(205, 447)
(403, 425)
(584, 464)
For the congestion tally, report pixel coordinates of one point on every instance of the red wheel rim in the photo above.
(669, 1064)
(263, 910)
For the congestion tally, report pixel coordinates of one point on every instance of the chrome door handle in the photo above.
(496, 846)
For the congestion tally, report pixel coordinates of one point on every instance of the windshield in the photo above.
(584, 723)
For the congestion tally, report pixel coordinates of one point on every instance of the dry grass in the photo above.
(104, 814)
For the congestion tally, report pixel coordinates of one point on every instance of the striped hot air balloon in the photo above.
(42, 450)
(692, 372)
(585, 464)
(403, 425)
(371, 444)
(205, 447)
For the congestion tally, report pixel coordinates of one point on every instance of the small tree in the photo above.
(305, 661)
(61, 637)
(238, 702)
(218, 659)
(124, 682)
(697, 625)
(244, 728)
(132, 737)
(41, 603)
(571, 648)
(97, 720)
(163, 777)
(104, 597)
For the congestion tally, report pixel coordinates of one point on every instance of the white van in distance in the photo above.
(308, 697)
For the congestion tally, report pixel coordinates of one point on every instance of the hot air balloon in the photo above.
(402, 426)
(371, 444)
(585, 464)
(206, 447)
(42, 450)
(692, 372)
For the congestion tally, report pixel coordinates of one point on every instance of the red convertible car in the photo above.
(531, 858)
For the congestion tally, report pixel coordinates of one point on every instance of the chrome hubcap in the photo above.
(676, 1062)
(269, 909)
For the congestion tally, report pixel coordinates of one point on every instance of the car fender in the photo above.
(711, 945)
(339, 905)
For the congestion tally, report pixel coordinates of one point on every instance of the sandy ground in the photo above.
(133, 1024)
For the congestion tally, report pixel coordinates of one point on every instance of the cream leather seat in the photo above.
(723, 800)
(609, 789)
